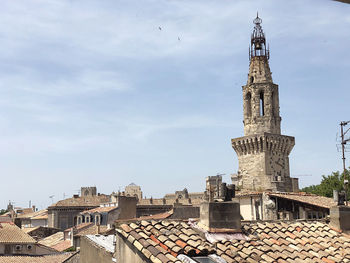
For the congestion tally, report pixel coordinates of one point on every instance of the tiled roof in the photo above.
(247, 193)
(81, 226)
(40, 217)
(10, 233)
(5, 219)
(82, 201)
(56, 258)
(33, 214)
(160, 216)
(52, 240)
(87, 229)
(91, 230)
(302, 241)
(311, 199)
(25, 210)
(170, 201)
(30, 229)
(104, 209)
(63, 245)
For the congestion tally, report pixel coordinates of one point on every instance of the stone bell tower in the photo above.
(262, 152)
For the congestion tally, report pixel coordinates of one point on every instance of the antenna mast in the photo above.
(343, 143)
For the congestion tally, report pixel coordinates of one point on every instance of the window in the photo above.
(249, 104)
(7, 249)
(273, 104)
(97, 219)
(262, 110)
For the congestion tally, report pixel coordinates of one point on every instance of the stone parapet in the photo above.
(265, 142)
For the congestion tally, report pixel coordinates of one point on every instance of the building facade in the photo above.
(263, 153)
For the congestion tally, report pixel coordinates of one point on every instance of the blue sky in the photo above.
(93, 93)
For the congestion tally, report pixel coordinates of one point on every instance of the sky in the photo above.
(106, 93)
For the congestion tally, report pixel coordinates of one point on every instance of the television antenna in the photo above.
(343, 132)
(51, 197)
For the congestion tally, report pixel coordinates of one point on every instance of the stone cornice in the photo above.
(265, 142)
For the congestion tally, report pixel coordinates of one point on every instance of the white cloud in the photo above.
(86, 81)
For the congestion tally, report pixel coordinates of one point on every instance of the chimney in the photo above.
(335, 196)
(340, 217)
(127, 207)
(221, 216)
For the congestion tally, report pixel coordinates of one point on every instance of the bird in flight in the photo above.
(159, 28)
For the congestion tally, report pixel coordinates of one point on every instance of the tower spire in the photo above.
(258, 40)
(263, 151)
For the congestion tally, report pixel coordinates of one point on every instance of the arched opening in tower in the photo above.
(249, 104)
(261, 108)
(273, 104)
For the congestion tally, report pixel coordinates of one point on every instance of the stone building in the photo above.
(15, 242)
(97, 248)
(34, 219)
(64, 213)
(133, 190)
(88, 191)
(262, 152)
(120, 207)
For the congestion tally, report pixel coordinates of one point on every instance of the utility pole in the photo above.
(343, 142)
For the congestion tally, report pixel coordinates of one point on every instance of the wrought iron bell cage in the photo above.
(258, 41)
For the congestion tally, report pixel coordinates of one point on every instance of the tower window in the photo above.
(262, 111)
(249, 104)
(273, 104)
(251, 79)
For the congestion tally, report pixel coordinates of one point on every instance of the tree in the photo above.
(3, 211)
(335, 181)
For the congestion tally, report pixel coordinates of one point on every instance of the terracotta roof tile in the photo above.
(52, 240)
(10, 233)
(34, 215)
(104, 209)
(62, 245)
(313, 241)
(82, 201)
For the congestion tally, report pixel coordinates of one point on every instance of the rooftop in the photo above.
(56, 258)
(302, 197)
(52, 240)
(63, 245)
(82, 201)
(292, 241)
(10, 233)
(311, 199)
(106, 242)
(104, 209)
(34, 214)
